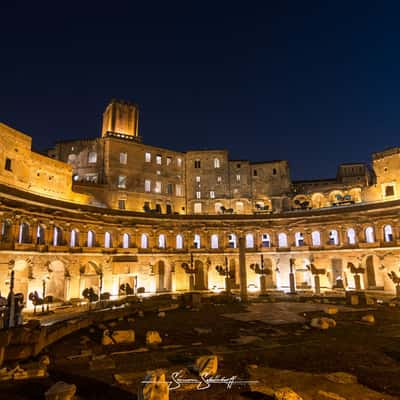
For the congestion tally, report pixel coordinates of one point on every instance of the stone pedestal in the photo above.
(317, 284)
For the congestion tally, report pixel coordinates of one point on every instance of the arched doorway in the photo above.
(200, 276)
(337, 274)
(160, 273)
(56, 285)
(370, 272)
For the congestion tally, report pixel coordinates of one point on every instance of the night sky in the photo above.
(316, 83)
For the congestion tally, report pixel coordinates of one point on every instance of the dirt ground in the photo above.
(286, 352)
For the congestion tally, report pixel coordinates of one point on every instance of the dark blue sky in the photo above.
(316, 83)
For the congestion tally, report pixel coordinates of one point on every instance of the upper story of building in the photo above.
(118, 171)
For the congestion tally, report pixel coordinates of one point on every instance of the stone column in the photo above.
(292, 277)
(242, 268)
(317, 284)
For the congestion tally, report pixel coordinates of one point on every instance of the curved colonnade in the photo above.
(69, 248)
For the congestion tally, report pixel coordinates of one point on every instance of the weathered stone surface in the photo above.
(207, 365)
(61, 391)
(102, 363)
(44, 361)
(286, 394)
(140, 314)
(162, 314)
(322, 395)
(118, 337)
(153, 338)
(154, 386)
(319, 323)
(341, 377)
(368, 318)
(169, 307)
(332, 310)
(202, 331)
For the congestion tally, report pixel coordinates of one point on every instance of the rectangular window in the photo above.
(170, 188)
(197, 179)
(158, 187)
(197, 208)
(92, 157)
(8, 164)
(121, 204)
(238, 178)
(219, 179)
(179, 162)
(147, 185)
(254, 172)
(212, 195)
(158, 159)
(122, 181)
(197, 164)
(178, 190)
(147, 157)
(198, 195)
(123, 158)
(169, 160)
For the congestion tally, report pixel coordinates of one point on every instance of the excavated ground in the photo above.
(261, 341)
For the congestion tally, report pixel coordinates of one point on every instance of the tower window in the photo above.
(158, 187)
(197, 164)
(169, 160)
(8, 164)
(197, 179)
(274, 171)
(389, 191)
(198, 195)
(255, 172)
(238, 178)
(170, 188)
(212, 195)
(121, 204)
(147, 185)
(147, 157)
(158, 159)
(217, 163)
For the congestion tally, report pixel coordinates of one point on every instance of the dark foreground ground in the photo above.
(264, 342)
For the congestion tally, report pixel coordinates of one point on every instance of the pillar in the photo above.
(317, 284)
(242, 268)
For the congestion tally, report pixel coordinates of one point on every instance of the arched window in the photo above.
(74, 241)
(214, 241)
(232, 241)
(316, 238)
(40, 235)
(299, 239)
(249, 241)
(351, 236)
(90, 239)
(161, 241)
(282, 240)
(6, 231)
(388, 233)
(217, 163)
(179, 241)
(334, 237)
(265, 240)
(144, 241)
(57, 236)
(369, 235)
(218, 206)
(24, 233)
(126, 241)
(107, 240)
(197, 241)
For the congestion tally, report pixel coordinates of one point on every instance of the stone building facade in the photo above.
(104, 212)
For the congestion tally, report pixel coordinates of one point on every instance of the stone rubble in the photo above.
(155, 387)
(61, 391)
(207, 365)
(153, 338)
(118, 337)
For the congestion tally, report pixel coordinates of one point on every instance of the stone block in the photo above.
(207, 365)
(286, 394)
(61, 391)
(118, 337)
(154, 386)
(153, 338)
